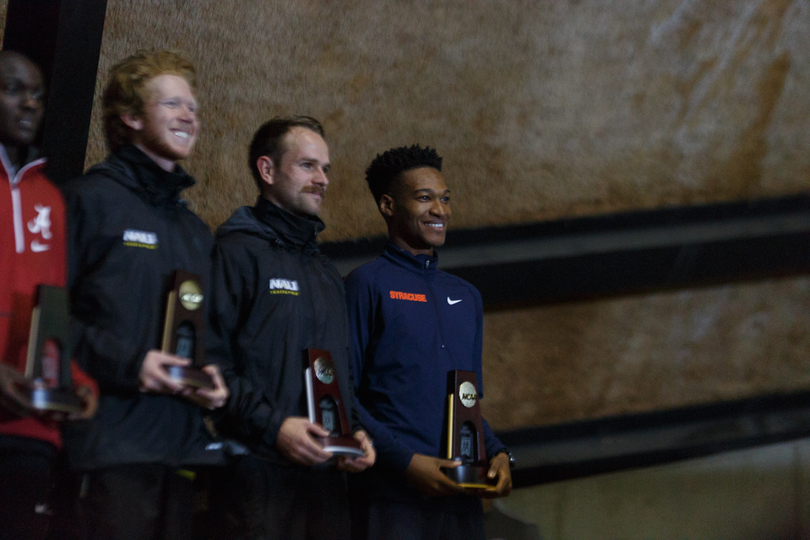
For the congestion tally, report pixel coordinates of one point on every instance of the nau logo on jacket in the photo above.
(142, 239)
(284, 286)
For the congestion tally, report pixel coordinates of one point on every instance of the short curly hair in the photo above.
(267, 141)
(126, 88)
(386, 167)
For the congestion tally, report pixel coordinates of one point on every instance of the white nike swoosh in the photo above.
(40, 508)
(451, 302)
(36, 247)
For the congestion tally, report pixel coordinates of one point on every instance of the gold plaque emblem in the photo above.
(467, 394)
(190, 295)
(324, 370)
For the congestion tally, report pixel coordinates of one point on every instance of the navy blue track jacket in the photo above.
(410, 324)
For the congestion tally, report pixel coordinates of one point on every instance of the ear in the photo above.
(132, 121)
(266, 169)
(386, 205)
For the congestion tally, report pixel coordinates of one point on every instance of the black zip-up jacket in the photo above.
(128, 232)
(274, 295)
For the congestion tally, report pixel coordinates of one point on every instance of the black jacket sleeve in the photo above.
(251, 414)
(109, 356)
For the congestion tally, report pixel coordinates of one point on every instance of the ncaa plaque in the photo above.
(183, 329)
(325, 405)
(465, 436)
(48, 363)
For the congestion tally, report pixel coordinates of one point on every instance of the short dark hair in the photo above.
(387, 166)
(267, 140)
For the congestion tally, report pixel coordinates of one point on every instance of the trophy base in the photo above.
(344, 446)
(53, 399)
(191, 377)
(471, 476)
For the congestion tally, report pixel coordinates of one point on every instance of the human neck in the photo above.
(162, 162)
(402, 244)
(16, 154)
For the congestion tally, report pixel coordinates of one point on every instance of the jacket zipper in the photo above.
(16, 200)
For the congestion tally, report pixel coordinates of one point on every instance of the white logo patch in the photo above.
(36, 247)
(453, 302)
(142, 239)
(42, 223)
(284, 286)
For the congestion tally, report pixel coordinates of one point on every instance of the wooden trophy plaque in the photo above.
(325, 405)
(48, 364)
(465, 436)
(184, 327)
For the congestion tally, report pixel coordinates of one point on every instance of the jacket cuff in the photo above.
(398, 461)
(271, 433)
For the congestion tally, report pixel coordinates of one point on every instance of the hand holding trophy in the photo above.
(183, 332)
(465, 439)
(325, 405)
(179, 367)
(46, 389)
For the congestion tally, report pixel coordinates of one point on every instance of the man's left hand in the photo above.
(499, 468)
(209, 398)
(355, 465)
(89, 403)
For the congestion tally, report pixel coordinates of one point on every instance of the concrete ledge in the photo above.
(561, 452)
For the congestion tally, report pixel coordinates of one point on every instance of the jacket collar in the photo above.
(292, 230)
(31, 159)
(407, 260)
(142, 175)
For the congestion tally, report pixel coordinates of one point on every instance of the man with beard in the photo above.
(275, 296)
(129, 231)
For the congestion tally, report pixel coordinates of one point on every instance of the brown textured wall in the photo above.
(542, 109)
(3, 9)
(613, 356)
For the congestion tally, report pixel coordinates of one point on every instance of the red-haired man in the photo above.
(129, 230)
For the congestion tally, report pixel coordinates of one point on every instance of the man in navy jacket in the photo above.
(410, 324)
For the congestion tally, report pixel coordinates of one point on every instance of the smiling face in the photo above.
(418, 210)
(298, 182)
(167, 129)
(21, 100)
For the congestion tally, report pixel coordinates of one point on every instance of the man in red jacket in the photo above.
(32, 252)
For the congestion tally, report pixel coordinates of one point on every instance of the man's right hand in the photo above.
(296, 441)
(424, 473)
(154, 377)
(13, 399)
(10, 395)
